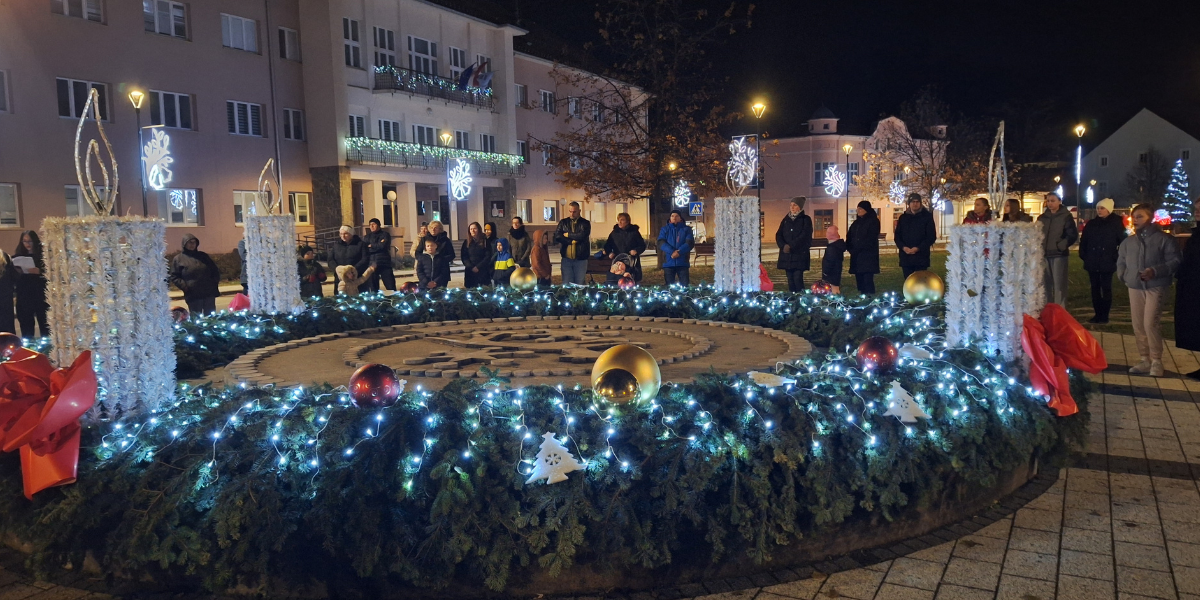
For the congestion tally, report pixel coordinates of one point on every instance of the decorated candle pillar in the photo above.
(737, 237)
(271, 277)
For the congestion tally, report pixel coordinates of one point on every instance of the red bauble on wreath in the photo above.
(9, 344)
(410, 287)
(821, 287)
(375, 386)
(179, 314)
(877, 354)
(626, 283)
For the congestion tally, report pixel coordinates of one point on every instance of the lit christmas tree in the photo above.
(1177, 202)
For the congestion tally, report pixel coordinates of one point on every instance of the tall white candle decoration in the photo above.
(272, 279)
(738, 240)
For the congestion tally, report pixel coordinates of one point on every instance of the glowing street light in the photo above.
(446, 137)
(136, 97)
(847, 148)
(1079, 131)
(758, 108)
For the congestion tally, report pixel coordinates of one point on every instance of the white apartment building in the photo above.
(1121, 153)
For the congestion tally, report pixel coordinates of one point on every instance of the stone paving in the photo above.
(1122, 522)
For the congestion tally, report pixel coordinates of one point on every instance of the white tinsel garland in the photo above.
(107, 290)
(993, 279)
(272, 279)
(738, 241)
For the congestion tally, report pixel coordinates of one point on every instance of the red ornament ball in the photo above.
(374, 386)
(9, 344)
(877, 354)
(821, 287)
(179, 314)
(626, 283)
(410, 287)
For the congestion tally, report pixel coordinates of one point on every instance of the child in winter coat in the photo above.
(505, 264)
(539, 258)
(349, 280)
(831, 264)
(312, 274)
(433, 269)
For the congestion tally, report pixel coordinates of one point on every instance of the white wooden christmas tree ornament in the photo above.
(902, 405)
(770, 379)
(553, 462)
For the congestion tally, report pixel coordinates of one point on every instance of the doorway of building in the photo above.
(356, 199)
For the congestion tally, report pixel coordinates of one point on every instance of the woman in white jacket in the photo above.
(1146, 263)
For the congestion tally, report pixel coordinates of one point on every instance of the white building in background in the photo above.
(1121, 153)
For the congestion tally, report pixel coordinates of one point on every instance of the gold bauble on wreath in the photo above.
(523, 279)
(626, 373)
(923, 287)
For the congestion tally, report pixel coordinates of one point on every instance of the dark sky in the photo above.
(1049, 63)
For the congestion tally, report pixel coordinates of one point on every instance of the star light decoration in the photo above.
(682, 194)
(835, 181)
(157, 156)
(896, 192)
(743, 165)
(458, 178)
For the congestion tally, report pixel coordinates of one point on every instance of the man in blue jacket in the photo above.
(675, 240)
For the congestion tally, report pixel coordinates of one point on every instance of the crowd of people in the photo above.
(22, 278)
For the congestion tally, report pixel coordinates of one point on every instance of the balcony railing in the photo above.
(368, 151)
(395, 79)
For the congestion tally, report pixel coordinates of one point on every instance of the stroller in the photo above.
(621, 272)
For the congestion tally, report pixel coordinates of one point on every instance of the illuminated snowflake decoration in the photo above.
(936, 202)
(157, 156)
(1162, 217)
(896, 192)
(835, 181)
(458, 179)
(743, 165)
(183, 200)
(682, 194)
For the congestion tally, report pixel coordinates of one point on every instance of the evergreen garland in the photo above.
(269, 488)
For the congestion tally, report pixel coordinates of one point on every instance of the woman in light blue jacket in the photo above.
(1146, 263)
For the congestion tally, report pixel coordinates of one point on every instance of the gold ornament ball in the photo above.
(923, 287)
(626, 373)
(523, 279)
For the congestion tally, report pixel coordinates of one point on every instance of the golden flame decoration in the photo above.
(265, 187)
(102, 204)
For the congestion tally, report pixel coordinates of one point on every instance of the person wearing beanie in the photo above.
(676, 240)
(831, 263)
(862, 241)
(312, 274)
(794, 238)
(915, 235)
(1098, 248)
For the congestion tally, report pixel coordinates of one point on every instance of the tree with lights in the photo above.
(1177, 201)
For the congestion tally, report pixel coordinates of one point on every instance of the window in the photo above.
(3, 91)
(73, 96)
(597, 212)
(422, 55)
(458, 62)
(385, 46)
(546, 158)
(1142, 158)
(358, 126)
(289, 44)
(487, 143)
(293, 124)
(165, 17)
(239, 33)
(1185, 154)
(462, 140)
(899, 210)
(1103, 161)
(77, 206)
(852, 173)
(244, 118)
(350, 43)
(822, 219)
(573, 159)
(299, 203)
(574, 108)
(550, 211)
(423, 135)
(179, 206)
(1102, 188)
(389, 130)
(819, 173)
(10, 209)
(243, 205)
(547, 99)
(92, 10)
(523, 150)
(389, 207)
(170, 109)
(485, 64)
(825, 126)
(522, 95)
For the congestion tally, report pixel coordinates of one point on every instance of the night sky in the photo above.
(1049, 64)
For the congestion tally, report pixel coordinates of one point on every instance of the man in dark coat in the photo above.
(349, 250)
(794, 239)
(862, 241)
(1098, 249)
(626, 239)
(915, 235)
(1187, 309)
(379, 254)
(195, 273)
(574, 236)
(1061, 234)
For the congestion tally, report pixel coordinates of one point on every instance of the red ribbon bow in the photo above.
(40, 408)
(1054, 344)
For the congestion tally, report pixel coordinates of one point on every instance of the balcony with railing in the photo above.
(395, 79)
(369, 151)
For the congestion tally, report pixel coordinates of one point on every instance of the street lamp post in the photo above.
(1079, 131)
(136, 98)
(759, 108)
(847, 148)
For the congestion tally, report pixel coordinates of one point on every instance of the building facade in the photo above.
(363, 106)
(1129, 153)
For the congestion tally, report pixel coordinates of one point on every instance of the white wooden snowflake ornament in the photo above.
(553, 462)
(902, 405)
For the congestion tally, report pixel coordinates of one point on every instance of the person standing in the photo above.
(445, 248)
(1098, 248)
(312, 274)
(574, 235)
(1060, 234)
(675, 240)
(475, 255)
(418, 245)
(192, 271)
(1146, 263)
(503, 263)
(982, 213)
(31, 287)
(241, 250)
(349, 250)
(1014, 213)
(539, 258)
(794, 238)
(520, 242)
(625, 238)
(915, 235)
(1187, 309)
(831, 263)
(379, 255)
(8, 286)
(433, 266)
(862, 241)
